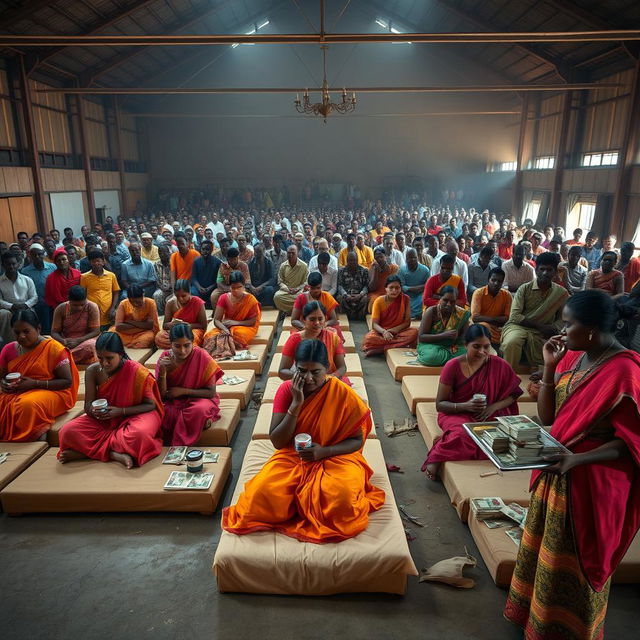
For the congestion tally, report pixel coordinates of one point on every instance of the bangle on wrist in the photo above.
(295, 415)
(547, 384)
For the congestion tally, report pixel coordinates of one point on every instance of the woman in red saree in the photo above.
(323, 493)
(183, 307)
(461, 378)
(314, 316)
(237, 313)
(314, 292)
(48, 386)
(187, 377)
(128, 430)
(390, 321)
(585, 506)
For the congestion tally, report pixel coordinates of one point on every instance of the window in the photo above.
(607, 158)
(532, 210)
(502, 166)
(255, 29)
(387, 26)
(544, 162)
(581, 215)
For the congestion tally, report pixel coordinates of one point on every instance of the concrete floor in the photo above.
(149, 575)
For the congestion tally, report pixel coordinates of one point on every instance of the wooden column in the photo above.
(120, 158)
(561, 160)
(86, 161)
(44, 223)
(626, 157)
(516, 204)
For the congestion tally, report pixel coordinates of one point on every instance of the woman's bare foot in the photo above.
(70, 454)
(122, 458)
(208, 423)
(432, 471)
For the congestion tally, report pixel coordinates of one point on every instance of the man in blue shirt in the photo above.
(38, 270)
(138, 270)
(304, 253)
(205, 273)
(590, 253)
(414, 276)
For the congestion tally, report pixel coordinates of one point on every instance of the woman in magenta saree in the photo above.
(187, 377)
(476, 372)
(585, 507)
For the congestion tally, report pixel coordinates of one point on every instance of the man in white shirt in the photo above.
(393, 255)
(328, 273)
(16, 292)
(517, 270)
(459, 265)
(323, 247)
(215, 225)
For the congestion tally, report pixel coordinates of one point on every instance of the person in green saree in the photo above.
(441, 330)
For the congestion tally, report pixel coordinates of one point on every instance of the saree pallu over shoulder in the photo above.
(26, 416)
(320, 502)
(604, 498)
(197, 371)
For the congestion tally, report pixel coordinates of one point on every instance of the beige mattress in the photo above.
(220, 434)
(263, 423)
(240, 391)
(269, 316)
(349, 344)
(377, 560)
(264, 335)
(499, 555)
(21, 455)
(399, 367)
(351, 360)
(93, 486)
(272, 384)
(343, 321)
(415, 324)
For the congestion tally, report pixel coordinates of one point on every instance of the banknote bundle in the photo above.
(486, 508)
(183, 480)
(496, 439)
(176, 455)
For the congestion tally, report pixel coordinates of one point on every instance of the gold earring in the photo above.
(590, 336)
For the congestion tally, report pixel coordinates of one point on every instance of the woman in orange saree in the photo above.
(314, 292)
(48, 384)
(136, 319)
(183, 307)
(187, 377)
(128, 429)
(390, 321)
(237, 312)
(323, 493)
(585, 506)
(314, 316)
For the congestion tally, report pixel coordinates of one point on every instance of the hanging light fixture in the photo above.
(325, 107)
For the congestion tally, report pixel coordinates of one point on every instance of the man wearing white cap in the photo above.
(148, 250)
(337, 244)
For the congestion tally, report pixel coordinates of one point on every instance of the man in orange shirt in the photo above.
(629, 265)
(182, 260)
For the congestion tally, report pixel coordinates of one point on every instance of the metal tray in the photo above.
(546, 437)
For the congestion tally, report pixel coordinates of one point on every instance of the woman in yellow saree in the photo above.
(47, 386)
(322, 493)
(137, 319)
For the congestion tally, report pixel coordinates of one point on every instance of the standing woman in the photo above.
(314, 317)
(47, 388)
(390, 321)
(128, 429)
(441, 330)
(237, 313)
(585, 506)
(183, 307)
(187, 377)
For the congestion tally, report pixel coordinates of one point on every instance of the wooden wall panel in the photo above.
(105, 180)
(7, 234)
(7, 125)
(16, 180)
(56, 180)
(133, 196)
(17, 214)
(138, 181)
(97, 134)
(549, 127)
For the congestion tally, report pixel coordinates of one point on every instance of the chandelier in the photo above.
(325, 107)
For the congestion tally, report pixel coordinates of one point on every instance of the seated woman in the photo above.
(183, 307)
(314, 317)
(137, 319)
(441, 330)
(187, 377)
(76, 325)
(379, 271)
(237, 313)
(322, 493)
(390, 321)
(128, 429)
(48, 384)
(475, 372)
(314, 292)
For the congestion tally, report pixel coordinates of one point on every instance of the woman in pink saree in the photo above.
(475, 372)
(187, 377)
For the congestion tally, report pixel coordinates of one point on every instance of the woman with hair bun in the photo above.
(183, 307)
(585, 506)
(320, 493)
(46, 384)
(127, 429)
(187, 377)
(475, 372)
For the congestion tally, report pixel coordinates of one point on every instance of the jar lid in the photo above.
(194, 455)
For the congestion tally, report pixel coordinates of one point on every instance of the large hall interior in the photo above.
(298, 303)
